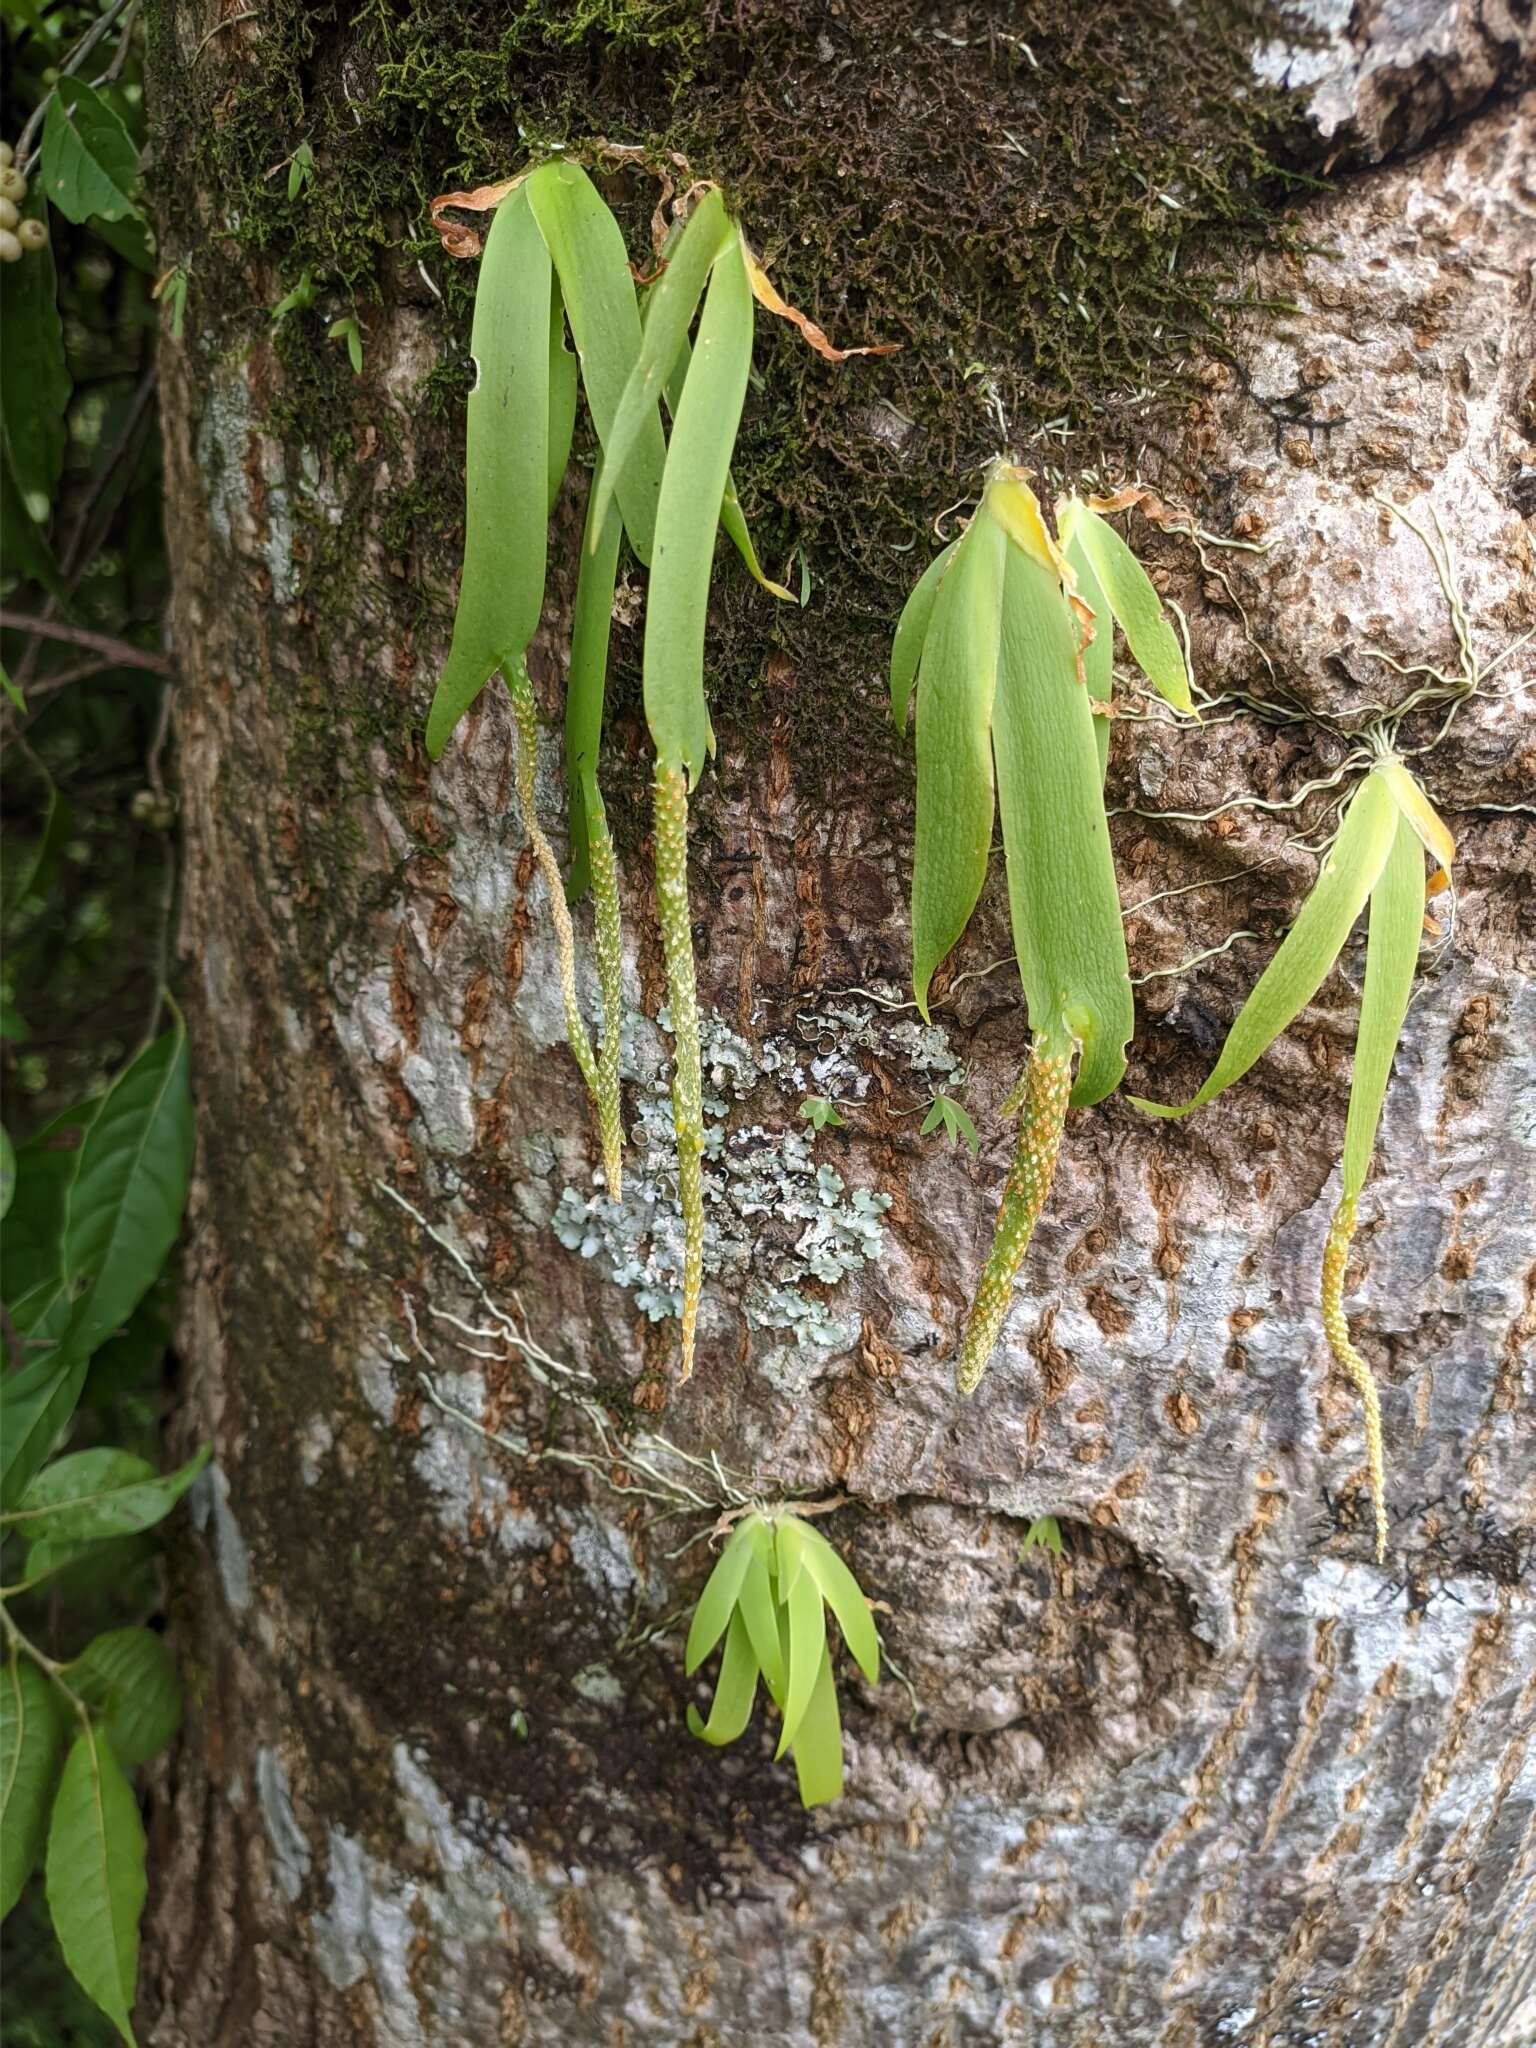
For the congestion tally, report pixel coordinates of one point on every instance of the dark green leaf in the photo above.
(124, 1203)
(89, 1495)
(501, 587)
(687, 518)
(35, 1405)
(669, 310)
(90, 166)
(96, 1880)
(35, 383)
(588, 250)
(31, 1742)
(129, 1676)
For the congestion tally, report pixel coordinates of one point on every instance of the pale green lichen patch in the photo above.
(775, 1217)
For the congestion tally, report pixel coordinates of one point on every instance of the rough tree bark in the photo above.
(1215, 1777)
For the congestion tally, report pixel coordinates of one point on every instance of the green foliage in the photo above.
(555, 257)
(819, 1113)
(767, 1598)
(348, 332)
(98, 1199)
(1043, 1533)
(1378, 857)
(953, 1120)
(993, 644)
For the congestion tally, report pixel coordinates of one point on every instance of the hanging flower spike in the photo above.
(1378, 857)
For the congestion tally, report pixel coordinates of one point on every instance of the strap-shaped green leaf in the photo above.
(586, 683)
(564, 378)
(31, 1742)
(912, 632)
(588, 250)
(1391, 960)
(670, 305)
(506, 463)
(756, 1605)
(802, 1602)
(1098, 657)
(840, 1589)
(1135, 603)
(732, 517)
(734, 520)
(96, 1880)
(1310, 947)
(698, 461)
(956, 680)
(719, 1596)
(735, 1689)
(819, 1742)
(1062, 894)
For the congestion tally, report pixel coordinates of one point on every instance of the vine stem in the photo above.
(49, 1666)
(1040, 1100)
(1335, 1260)
(671, 828)
(526, 717)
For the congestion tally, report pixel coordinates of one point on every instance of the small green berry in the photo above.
(13, 185)
(7, 156)
(8, 215)
(32, 234)
(10, 248)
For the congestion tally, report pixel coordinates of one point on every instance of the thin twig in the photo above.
(122, 653)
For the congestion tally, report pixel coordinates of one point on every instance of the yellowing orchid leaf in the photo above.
(1131, 598)
(1312, 945)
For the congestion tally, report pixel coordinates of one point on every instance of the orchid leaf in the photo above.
(1312, 945)
(840, 1590)
(564, 378)
(1062, 894)
(957, 676)
(734, 520)
(801, 1596)
(687, 518)
(586, 683)
(735, 1689)
(669, 309)
(1391, 960)
(912, 632)
(755, 1605)
(501, 589)
(588, 252)
(718, 1598)
(818, 1744)
(1132, 598)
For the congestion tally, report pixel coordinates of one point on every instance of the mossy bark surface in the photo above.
(1211, 1776)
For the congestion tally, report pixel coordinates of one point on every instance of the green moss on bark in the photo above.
(1040, 213)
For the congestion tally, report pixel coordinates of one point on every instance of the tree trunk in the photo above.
(1212, 1776)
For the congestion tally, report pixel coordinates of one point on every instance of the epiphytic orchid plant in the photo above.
(1377, 857)
(1006, 644)
(554, 257)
